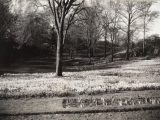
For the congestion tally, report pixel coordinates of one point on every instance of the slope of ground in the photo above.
(122, 75)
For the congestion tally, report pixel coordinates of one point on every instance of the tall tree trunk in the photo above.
(94, 48)
(144, 37)
(105, 45)
(128, 39)
(59, 56)
(90, 52)
(128, 43)
(90, 49)
(112, 56)
(115, 39)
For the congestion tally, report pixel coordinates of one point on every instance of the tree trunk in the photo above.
(144, 37)
(128, 40)
(114, 42)
(59, 56)
(90, 54)
(105, 45)
(90, 50)
(93, 51)
(112, 57)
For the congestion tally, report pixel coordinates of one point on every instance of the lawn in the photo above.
(122, 76)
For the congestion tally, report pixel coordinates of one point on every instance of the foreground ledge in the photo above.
(119, 102)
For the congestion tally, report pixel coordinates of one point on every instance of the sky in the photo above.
(154, 27)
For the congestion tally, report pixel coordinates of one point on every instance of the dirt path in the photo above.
(134, 115)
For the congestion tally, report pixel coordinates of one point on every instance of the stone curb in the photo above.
(120, 102)
(121, 109)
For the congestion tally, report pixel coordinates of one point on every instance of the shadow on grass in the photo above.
(48, 65)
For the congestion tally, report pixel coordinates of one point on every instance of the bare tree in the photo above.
(105, 26)
(129, 14)
(64, 12)
(147, 16)
(92, 27)
(114, 24)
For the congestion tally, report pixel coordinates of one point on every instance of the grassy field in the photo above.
(101, 78)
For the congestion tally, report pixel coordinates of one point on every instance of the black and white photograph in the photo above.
(79, 59)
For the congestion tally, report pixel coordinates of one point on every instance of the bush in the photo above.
(7, 52)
